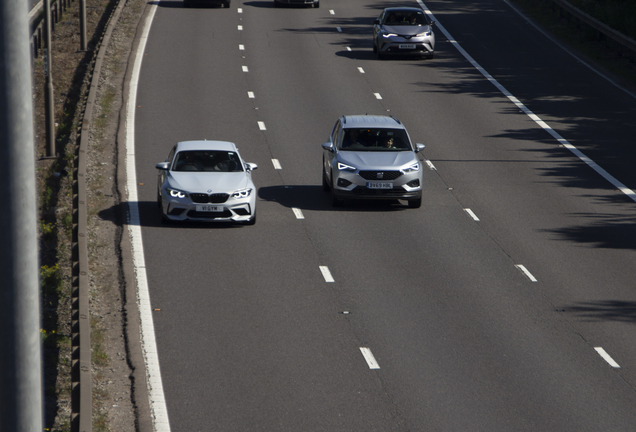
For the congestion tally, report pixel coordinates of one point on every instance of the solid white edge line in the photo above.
(156, 396)
(526, 272)
(471, 214)
(326, 274)
(617, 184)
(298, 212)
(368, 356)
(261, 125)
(607, 357)
(276, 164)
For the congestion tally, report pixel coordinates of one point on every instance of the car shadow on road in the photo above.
(149, 216)
(305, 197)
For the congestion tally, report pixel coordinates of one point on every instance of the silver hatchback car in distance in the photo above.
(371, 157)
(403, 31)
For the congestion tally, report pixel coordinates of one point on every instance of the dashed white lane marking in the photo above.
(565, 143)
(241, 47)
(471, 214)
(250, 95)
(244, 68)
(240, 27)
(332, 12)
(339, 29)
(377, 96)
(240, 10)
(276, 164)
(368, 356)
(298, 213)
(430, 165)
(361, 70)
(607, 357)
(157, 401)
(261, 125)
(326, 274)
(526, 272)
(348, 48)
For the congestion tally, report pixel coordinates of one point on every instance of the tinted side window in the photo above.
(171, 155)
(335, 133)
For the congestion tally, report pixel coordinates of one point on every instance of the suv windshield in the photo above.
(407, 18)
(354, 139)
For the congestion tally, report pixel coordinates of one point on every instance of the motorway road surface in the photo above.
(262, 328)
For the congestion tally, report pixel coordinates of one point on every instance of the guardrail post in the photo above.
(82, 17)
(49, 108)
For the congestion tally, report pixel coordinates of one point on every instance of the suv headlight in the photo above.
(176, 193)
(388, 35)
(345, 167)
(413, 168)
(243, 193)
(428, 33)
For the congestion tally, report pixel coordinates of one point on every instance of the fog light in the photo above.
(414, 183)
(343, 182)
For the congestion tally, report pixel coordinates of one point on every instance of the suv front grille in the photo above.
(201, 198)
(380, 175)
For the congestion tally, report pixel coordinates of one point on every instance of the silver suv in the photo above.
(371, 157)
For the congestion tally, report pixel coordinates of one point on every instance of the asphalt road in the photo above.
(253, 336)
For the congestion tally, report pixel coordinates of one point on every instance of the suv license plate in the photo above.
(209, 208)
(407, 46)
(379, 185)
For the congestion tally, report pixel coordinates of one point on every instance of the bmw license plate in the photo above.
(379, 185)
(407, 46)
(209, 208)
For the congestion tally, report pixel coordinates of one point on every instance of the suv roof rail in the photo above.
(399, 122)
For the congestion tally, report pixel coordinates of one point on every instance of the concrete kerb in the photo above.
(81, 417)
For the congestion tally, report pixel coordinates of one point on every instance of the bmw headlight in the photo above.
(176, 193)
(243, 193)
(413, 168)
(345, 167)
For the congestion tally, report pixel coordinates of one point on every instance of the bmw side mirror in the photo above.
(250, 166)
(163, 166)
(328, 146)
(419, 147)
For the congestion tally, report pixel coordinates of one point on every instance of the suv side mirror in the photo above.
(376, 21)
(250, 166)
(328, 146)
(163, 166)
(419, 147)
